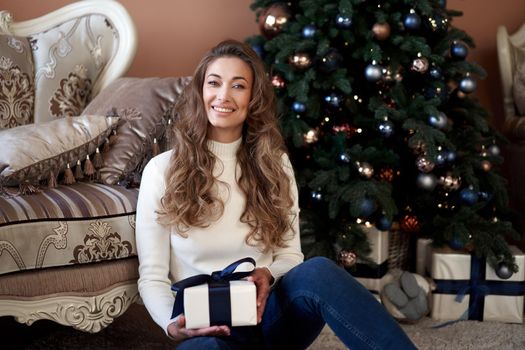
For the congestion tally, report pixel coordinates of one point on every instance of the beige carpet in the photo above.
(135, 330)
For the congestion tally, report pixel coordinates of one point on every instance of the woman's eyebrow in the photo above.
(234, 78)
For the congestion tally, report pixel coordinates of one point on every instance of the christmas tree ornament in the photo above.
(316, 196)
(386, 174)
(456, 243)
(331, 61)
(467, 84)
(259, 50)
(503, 271)
(309, 31)
(311, 136)
(458, 50)
(418, 147)
(433, 91)
(441, 158)
(278, 82)
(383, 224)
(483, 195)
(334, 100)
(468, 196)
(442, 3)
(412, 21)
(373, 72)
(381, 30)
(426, 181)
(344, 158)
(343, 22)
(486, 165)
(424, 164)
(298, 107)
(347, 258)
(385, 128)
(435, 73)
(438, 121)
(451, 156)
(272, 20)
(300, 60)
(365, 169)
(494, 150)
(450, 182)
(409, 223)
(367, 207)
(419, 65)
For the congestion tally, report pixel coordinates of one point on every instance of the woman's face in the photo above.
(226, 93)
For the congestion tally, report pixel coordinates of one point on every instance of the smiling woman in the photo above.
(226, 93)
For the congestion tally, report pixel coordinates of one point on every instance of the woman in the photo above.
(227, 191)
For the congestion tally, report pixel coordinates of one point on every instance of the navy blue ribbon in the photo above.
(369, 271)
(218, 291)
(477, 287)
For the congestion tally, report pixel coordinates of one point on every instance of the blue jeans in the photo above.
(308, 296)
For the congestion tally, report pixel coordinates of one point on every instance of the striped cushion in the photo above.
(66, 225)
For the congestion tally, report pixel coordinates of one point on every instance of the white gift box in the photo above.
(243, 299)
(455, 266)
(374, 279)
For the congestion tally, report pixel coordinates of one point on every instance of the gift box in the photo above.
(221, 298)
(371, 277)
(468, 288)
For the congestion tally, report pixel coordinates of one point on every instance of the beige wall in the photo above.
(173, 34)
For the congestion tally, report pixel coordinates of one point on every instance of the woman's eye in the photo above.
(213, 83)
(238, 86)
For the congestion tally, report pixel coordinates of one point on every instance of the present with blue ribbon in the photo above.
(468, 288)
(221, 298)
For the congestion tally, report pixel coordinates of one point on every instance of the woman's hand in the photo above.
(262, 278)
(178, 331)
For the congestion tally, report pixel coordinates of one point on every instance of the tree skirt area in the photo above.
(136, 330)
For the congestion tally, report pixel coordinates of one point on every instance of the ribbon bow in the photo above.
(216, 279)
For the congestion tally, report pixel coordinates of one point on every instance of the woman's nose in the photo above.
(223, 94)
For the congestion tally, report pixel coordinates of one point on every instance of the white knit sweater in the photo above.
(166, 257)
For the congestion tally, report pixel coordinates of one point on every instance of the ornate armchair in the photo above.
(67, 251)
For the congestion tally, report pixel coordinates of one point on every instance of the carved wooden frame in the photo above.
(113, 10)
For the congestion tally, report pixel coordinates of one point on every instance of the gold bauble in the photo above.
(381, 31)
(273, 19)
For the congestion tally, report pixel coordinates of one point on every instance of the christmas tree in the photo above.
(377, 107)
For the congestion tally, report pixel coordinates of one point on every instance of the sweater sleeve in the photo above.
(153, 247)
(286, 258)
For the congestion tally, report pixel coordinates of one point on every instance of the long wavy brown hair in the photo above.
(191, 199)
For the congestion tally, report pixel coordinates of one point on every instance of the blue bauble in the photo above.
(343, 22)
(331, 61)
(309, 31)
(333, 100)
(368, 206)
(383, 224)
(412, 21)
(438, 121)
(373, 72)
(316, 196)
(458, 51)
(259, 50)
(442, 3)
(451, 156)
(436, 91)
(344, 158)
(386, 128)
(435, 73)
(441, 158)
(456, 243)
(468, 196)
(467, 85)
(298, 107)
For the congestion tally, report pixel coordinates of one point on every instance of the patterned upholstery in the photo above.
(81, 223)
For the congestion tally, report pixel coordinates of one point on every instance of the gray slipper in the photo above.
(409, 284)
(395, 295)
(421, 303)
(410, 310)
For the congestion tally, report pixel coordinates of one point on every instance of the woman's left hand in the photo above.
(262, 278)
